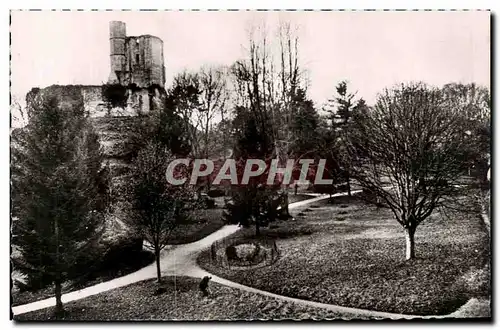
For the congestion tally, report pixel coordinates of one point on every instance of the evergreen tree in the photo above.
(58, 192)
(256, 202)
(305, 125)
(341, 122)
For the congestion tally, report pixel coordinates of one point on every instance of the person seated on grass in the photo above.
(204, 285)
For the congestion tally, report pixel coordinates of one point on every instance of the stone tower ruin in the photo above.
(118, 109)
(135, 60)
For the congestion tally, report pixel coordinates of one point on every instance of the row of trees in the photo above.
(410, 149)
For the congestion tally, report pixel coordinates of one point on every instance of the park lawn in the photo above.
(133, 264)
(181, 301)
(351, 254)
(292, 198)
(200, 224)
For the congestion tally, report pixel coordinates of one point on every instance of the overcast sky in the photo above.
(372, 50)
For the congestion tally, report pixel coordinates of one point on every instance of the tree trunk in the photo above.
(410, 243)
(348, 177)
(257, 227)
(59, 312)
(158, 269)
(285, 203)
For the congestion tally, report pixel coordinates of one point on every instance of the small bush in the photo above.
(247, 252)
(214, 193)
(341, 188)
(323, 189)
(209, 203)
(117, 259)
(231, 253)
(115, 95)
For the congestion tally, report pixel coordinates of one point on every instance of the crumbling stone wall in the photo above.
(139, 101)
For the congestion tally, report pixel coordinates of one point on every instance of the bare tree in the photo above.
(254, 81)
(186, 91)
(290, 85)
(267, 82)
(213, 88)
(413, 151)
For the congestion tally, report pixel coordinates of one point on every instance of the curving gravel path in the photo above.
(181, 260)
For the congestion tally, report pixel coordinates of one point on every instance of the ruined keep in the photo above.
(136, 80)
(135, 60)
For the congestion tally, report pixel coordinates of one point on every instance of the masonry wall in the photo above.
(157, 65)
(139, 101)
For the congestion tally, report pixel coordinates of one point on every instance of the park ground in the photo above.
(181, 301)
(351, 254)
(340, 252)
(199, 224)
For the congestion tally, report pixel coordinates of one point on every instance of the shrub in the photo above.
(118, 260)
(323, 189)
(231, 253)
(209, 203)
(247, 251)
(115, 95)
(254, 254)
(214, 193)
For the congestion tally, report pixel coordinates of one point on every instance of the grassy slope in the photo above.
(353, 255)
(297, 198)
(201, 224)
(204, 222)
(133, 264)
(182, 301)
